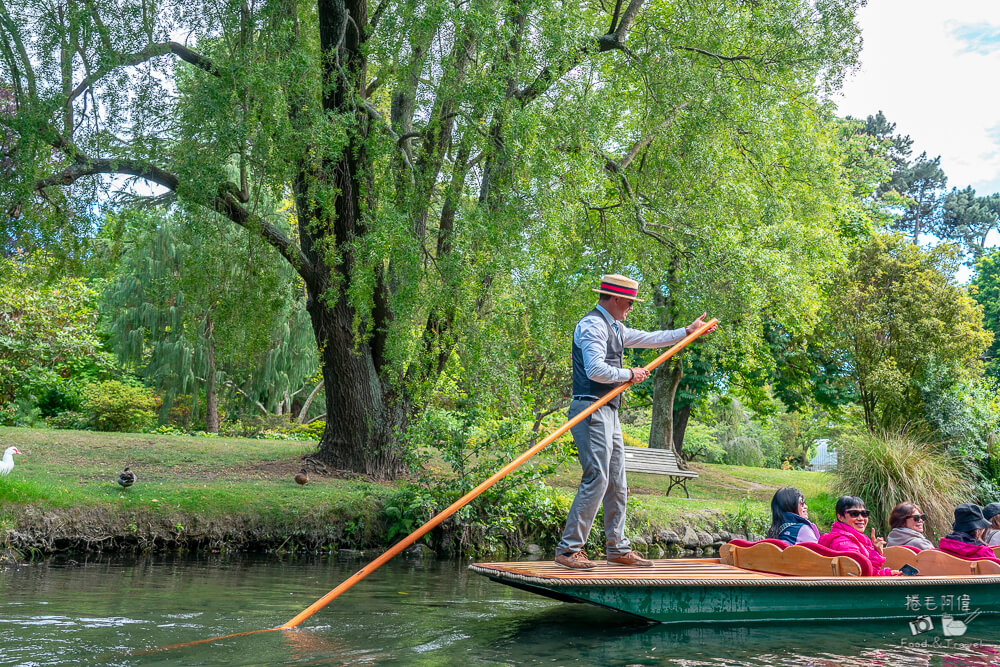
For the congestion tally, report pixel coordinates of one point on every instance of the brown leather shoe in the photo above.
(575, 561)
(631, 559)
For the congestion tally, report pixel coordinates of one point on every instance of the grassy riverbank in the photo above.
(218, 493)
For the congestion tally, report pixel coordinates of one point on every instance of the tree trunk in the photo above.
(363, 415)
(211, 394)
(666, 379)
(309, 401)
(665, 383)
(681, 416)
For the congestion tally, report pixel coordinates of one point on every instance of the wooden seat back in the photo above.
(934, 562)
(795, 560)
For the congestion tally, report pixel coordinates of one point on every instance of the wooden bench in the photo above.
(932, 562)
(658, 462)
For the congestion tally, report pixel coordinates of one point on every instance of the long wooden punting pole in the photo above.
(468, 497)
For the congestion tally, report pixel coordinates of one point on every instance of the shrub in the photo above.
(56, 399)
(885, 469)
(272, 427)
(69, 419)
(700, 444)
(116, 406)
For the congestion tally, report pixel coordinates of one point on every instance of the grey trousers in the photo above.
(599, 442)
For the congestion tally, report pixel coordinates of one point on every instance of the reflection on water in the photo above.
(407, 613)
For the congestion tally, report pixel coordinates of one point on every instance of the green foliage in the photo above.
(272, 427)
(71, 419)
(885, 469)
(507, 155)
(116, 406)
(701, 444)
(986, 291)
(474, 444)
(191, 299)
(966, 416)
(900, 312)
(749, 518)
(49, 339)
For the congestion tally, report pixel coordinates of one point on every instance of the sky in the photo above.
(932, 67)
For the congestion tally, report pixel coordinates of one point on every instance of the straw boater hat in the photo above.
(616, 285)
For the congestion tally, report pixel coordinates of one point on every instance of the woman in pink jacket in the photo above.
(848, 534)
(966, 538)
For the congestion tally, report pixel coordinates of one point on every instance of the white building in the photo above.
(826, 456)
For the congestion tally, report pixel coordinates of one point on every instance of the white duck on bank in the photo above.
(7, 464)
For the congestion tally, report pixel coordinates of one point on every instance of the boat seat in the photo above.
(658, 462)
(746, 543)
(804, 560)
(996, 550)
(934, 562)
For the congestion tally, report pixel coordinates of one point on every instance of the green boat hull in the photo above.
(779, 599)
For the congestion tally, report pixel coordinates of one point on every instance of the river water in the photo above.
(117, 612)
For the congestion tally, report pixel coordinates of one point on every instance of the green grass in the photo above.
(211, 477)
(187, 479)
(719, 490)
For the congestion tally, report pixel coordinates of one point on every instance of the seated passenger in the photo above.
(992, 535)
(966, 538)
(847, 534)
(790, 518)
(907, 523)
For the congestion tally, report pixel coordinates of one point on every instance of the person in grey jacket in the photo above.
(599, 339)
(907, 523)
(992, 514)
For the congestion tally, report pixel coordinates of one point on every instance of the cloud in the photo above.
(929, 66)
(981, 38)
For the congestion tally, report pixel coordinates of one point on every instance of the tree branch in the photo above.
(29, 72)
(642, 143)
(606, 42)
(224, 202)
(148, 53)
(714, 55)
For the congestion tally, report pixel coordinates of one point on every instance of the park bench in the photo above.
(658, 462)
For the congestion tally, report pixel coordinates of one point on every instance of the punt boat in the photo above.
(766, 582)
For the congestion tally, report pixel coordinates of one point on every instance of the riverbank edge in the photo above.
(32, 531)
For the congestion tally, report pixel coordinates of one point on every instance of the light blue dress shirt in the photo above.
(591, 335)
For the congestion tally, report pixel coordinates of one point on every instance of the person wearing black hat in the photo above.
(598, 342)
(992, 535)
(966, 538)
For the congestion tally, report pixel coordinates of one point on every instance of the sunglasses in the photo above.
(918, 517)
(857, 513)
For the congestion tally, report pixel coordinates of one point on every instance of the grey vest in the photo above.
(583, 385)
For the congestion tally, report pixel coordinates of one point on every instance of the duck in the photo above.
(302, 477)
(7, 464)
(126, 478)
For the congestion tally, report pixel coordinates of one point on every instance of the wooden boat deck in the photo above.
(686, 572)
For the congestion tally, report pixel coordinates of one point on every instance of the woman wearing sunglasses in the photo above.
(907, 523)
(966, 538)
(848, 534)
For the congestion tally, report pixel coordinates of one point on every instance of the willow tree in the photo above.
(198, 308)
(740, 200)
(426, 144)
